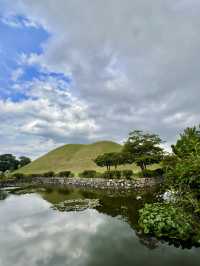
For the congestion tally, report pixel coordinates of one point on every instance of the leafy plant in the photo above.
(165, 220)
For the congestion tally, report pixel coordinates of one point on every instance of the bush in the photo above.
(88, 174)
(127, 174)
(152, 173)
(165, 220)
(48, 174)
(66, 174)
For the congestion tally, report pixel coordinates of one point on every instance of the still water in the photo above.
(35, 231)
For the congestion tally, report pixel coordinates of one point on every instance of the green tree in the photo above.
(111, 159)
(8, 162)
(104, 160)
(118, 158)
(188, 143)
(143, 149)
(184, 169)
(24, 161)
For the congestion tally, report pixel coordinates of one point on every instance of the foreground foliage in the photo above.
(179, 218)
(183, 166)
(166, 220)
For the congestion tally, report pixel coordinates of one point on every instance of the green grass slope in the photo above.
(73, 157)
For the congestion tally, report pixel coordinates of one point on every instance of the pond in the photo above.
(78, 227)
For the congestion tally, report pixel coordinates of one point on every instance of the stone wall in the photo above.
(100, 183)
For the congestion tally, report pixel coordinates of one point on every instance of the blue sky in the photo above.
(18, 39)
(15, 41)
(73, 71)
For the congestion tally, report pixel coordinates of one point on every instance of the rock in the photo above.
(77, 205)
(138, 198)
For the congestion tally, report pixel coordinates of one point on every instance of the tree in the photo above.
(8, 162)
(117, 158)
(185, 170)
(104, 160)
(111, 159)
(188, 144)
(24, 161)
(143, 149)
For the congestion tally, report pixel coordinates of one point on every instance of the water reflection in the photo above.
(32, 233)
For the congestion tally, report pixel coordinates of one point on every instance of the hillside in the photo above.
(73, 157)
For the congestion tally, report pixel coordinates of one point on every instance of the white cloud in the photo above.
(50, 115)
(133, 64)
(42, 234)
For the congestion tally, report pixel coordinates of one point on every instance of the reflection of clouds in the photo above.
(38, 234)
(33, 234)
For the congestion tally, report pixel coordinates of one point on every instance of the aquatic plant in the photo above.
(166, 220)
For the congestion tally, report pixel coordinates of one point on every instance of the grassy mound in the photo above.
(72, 157)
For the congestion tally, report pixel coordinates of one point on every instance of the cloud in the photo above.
(16, 74)
(49, 116)
(134, 65)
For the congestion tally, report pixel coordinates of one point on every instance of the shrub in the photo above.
(165, 220)
(66, 174)
(152, 173)
(88, 174)
(48, 174)
(127, 174)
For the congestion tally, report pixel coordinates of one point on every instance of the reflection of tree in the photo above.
(149, 242)
(127, 207)
(116, 204)
(3, 195)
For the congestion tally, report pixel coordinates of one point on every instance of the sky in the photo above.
(74, 71)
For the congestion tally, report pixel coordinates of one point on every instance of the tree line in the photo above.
(9, 162)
